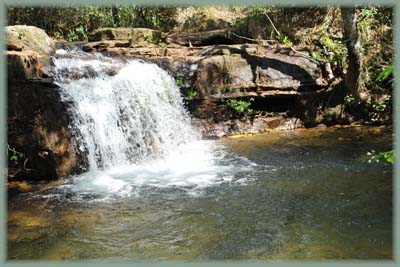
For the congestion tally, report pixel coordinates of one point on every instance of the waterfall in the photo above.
(125, 112)
(129, 122)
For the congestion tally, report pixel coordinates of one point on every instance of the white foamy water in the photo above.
(131, 125)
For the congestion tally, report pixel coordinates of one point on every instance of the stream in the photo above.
(305, 194)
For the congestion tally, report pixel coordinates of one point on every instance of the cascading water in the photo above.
(131, 124)
(125, 118)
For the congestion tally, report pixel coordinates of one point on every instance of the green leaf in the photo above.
(385, 73)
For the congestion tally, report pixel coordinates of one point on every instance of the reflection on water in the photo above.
(306, 194)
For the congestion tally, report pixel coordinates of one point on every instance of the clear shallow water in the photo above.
(306, 194)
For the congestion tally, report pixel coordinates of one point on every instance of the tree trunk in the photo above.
(114, 11)
(353, 78)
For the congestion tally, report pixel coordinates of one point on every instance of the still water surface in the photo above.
(305, 194)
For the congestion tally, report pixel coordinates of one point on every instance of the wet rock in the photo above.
(40, 166)
(18, 187)
(37, 120)
(211, 129)
(79, 73)
(28, 65)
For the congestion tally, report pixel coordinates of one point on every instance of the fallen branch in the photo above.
(253, 40)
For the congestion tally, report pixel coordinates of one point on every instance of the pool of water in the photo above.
(305, 194)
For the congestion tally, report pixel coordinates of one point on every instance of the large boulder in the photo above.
(29, 38)
(28, 51)
(234, 71)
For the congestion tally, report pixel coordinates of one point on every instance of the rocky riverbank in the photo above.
(230, 87)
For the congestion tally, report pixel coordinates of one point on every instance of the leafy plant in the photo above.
(379, 106)
(72, 36)
(241, 107)
(15, 156)
(382, 106)
(335, 51)
(389, 156)
(179, 80)
(191, 93)
(316, 55)
(284, 39)
(80, 31)
(384, 74)
(349, 99)
(57, 35)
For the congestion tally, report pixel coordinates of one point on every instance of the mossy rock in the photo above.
(136, 36)
(147, 36)
(101, 34)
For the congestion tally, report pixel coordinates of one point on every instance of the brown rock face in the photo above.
(245, 73)
(37, 121)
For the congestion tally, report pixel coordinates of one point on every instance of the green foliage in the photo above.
(191, 93)
(240, 106)
(349, 99)
(365, 15)
(388, 156)
(382, 106)
(316, 55)
(335, 51)
(75, 22)
(57, 35)
(76, 34)
(179, 80)
(72, 36)
(384, 74)
(284, 39)
(376, 38)
(386, 104)
(15, 156)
